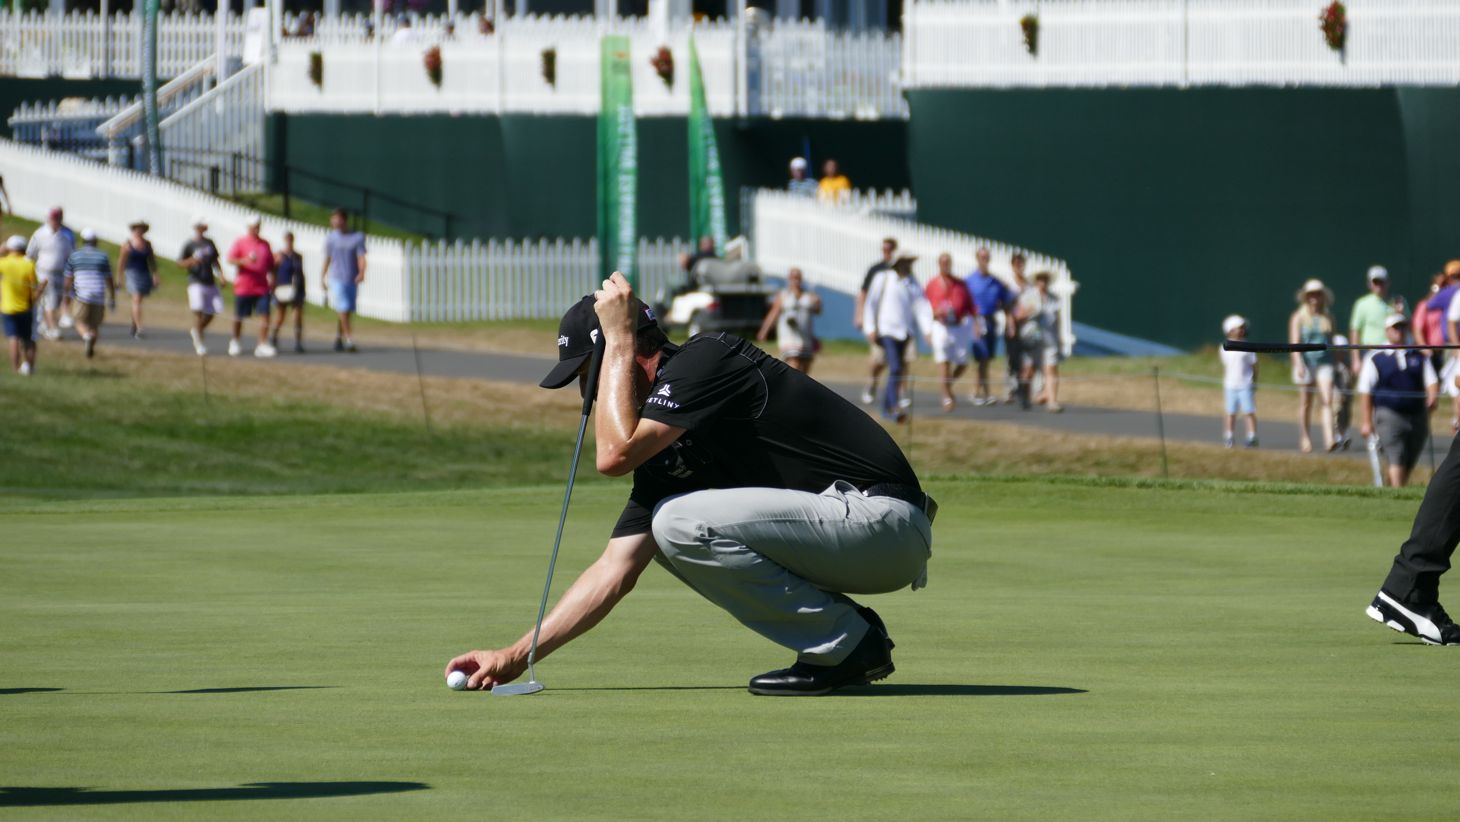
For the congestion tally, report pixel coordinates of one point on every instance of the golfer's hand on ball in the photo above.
(614, 304)
(486, 668)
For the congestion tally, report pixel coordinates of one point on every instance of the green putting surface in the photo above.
(1081, 652)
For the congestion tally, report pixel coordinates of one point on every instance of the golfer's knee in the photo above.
(678, 528)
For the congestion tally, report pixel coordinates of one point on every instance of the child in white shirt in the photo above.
(1239, 376)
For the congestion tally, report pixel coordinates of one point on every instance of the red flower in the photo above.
(1334, 22)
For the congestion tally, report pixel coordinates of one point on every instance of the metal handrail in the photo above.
(178, 85)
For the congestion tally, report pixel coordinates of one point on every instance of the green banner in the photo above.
(149, 86)
(618, 163)
(706, 183)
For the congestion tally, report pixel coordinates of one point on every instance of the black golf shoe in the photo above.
(870, 661)
(1428, 622)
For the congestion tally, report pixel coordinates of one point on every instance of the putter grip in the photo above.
(1272, 348)
(591, 391)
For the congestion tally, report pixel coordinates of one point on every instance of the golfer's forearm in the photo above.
(618, 415)
(583, 606)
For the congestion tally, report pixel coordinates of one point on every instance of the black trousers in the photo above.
(1415, 577)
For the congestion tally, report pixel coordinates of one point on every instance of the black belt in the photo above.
(910, 494)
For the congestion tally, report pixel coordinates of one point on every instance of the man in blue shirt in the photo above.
(991, 296)
(344, 270)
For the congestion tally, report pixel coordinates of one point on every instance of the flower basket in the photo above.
(663, 63)
(316, 69)
(1334, 22)
(550, 66)
(433, 65)
(1029, 24)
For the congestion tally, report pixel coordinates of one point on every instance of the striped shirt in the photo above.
(90, 271)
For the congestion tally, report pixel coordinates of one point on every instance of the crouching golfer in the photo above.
(756, 486)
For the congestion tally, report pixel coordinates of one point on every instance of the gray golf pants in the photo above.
(775, 559)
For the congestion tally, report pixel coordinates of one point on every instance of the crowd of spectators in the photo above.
(58, 279)
(959, 319)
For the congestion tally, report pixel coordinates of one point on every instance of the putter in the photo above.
(532, 685)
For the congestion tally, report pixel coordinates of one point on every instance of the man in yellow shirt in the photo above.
(18, 292)
(834, 186)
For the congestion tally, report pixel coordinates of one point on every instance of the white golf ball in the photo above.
(456, 680)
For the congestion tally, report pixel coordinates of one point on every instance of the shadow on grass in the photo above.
(25, 797)
(659, 688)
(956, 690)
(9, 691)
(248, 689)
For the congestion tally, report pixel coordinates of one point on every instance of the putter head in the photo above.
(531, 686)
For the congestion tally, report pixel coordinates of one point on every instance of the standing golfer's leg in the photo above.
(1409, 600)
(770, 557)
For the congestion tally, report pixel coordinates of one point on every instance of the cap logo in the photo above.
(562, 342)
(649, 312)
(593, 335)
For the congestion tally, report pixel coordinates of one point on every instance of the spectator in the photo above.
(800, 184)
(19, 290)
(1399, 389)
(990, 296)
(1426, 324)
(952, 330)
(344, 271)
(834, 186)
(253, 284)
(1445, 303)
(706, 251)
(200, 257)
(289, 291)
(793, 313)
(50, 246)
(1239, 381)
(1039, 343)
(876, 359)
(1013, 321)
(89, 279)
(137, 269)
(1313, 370)
(895, 309)
(404, 34)
(1366, 322)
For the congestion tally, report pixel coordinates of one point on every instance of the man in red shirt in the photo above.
(952, 337)
(251, 287)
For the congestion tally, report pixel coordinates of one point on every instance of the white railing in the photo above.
(833, 245)
(199, 138)
(797, 69)
(979, 43)
(520, 280)
(37, 44)
(188, 85)
(107, 199)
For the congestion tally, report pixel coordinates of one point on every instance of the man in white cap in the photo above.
(200, 257)
(800, 184)
(50, 246)
(252, 287)
(1366, 323)
(89, 278)
(1397, 391)
(18, 292)
(1239, 376)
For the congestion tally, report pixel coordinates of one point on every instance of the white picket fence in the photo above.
(78, 45)
(520, 280)
(201, 138)
(834, 245)
(979, 43)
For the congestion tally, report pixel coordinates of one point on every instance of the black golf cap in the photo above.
(578, 334)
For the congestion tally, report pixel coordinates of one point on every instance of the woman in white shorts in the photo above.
(793, 313)
(1313, 370)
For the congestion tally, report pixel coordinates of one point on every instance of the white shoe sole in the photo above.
(1396, 616)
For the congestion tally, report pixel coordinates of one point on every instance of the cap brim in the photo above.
(565, 371)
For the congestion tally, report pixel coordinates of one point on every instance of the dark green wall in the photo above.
(1177, 207)
(17, 90)
(530, 176)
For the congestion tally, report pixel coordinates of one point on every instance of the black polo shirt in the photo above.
(753, 422)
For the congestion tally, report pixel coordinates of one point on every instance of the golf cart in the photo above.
(721, 295)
